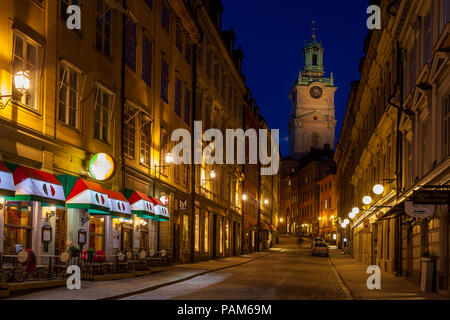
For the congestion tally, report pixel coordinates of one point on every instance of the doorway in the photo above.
(176, 242)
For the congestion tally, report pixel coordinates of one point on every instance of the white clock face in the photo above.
(316, 92)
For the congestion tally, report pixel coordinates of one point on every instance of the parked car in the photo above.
(317, 240)
(319, 248)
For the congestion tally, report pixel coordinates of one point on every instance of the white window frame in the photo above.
(34, 81)
(66, 72)
(101, 88)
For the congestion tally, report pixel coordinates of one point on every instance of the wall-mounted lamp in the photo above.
(2, 203)
(21, 83)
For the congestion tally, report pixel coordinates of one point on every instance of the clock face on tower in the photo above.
(316, 92)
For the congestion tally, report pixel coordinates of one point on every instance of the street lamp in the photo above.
(352, 215)
(355, 210)
(169, 158)
(266, 202)
(21, 83)
(244, 197)
(378, 189)
(367, 200)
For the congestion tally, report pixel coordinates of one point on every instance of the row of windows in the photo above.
(224, 242)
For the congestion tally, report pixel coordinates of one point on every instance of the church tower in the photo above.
(312, 122)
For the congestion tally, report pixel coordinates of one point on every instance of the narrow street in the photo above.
(289, 274)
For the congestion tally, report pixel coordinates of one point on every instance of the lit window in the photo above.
(68, 95)
(197, 230)
(27, 57)
(146, 130)
(206, 248)
(102, 109)
(164, 149)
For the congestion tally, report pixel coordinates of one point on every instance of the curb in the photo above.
(166, 284)
(344, 286)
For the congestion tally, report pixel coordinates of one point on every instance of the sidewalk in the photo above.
(354, 276)
(91, 290)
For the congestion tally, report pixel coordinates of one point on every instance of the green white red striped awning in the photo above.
(118, 204)
(7, 188)
(35, 185)
(140, 204)
(84, 194)
(161, 212)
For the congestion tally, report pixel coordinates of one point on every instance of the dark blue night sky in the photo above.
(273, 33)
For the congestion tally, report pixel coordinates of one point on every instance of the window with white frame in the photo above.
(27, 58)
(102, 110)
(146, 142)
(68, 99)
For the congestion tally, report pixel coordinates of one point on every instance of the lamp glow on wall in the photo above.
(367, 200)
(21, 83)
(168, 158)
(378, 189)
(266, 202)
(244, 197)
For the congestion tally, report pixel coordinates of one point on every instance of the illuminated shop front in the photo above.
(29, 199)
(88, 210)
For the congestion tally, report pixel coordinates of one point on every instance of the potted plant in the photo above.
(91, 254)
(74, 251)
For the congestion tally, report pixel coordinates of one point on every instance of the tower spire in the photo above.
(314, 29)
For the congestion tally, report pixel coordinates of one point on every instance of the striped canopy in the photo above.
(35, 185)
(7, 188)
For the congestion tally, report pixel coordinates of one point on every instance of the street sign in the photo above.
(419, 210)
(430, 197)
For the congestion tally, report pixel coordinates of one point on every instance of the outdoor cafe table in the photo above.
(49, 256)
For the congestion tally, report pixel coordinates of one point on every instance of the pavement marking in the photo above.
(345, 288)
(166, 284)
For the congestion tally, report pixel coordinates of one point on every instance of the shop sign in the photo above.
(101, 166)
(182, 205)
(419, 210)
(430, 197)
(164, 200)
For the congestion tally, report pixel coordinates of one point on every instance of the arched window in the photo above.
(314, 60)
(315, 140)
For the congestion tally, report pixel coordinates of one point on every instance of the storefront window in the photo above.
(17, 229)
(97, 233)
(185, 232)
(221, 236)
(144, 238)
(127, 238)
(197, 229)
(227, 234)
(206, 249)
